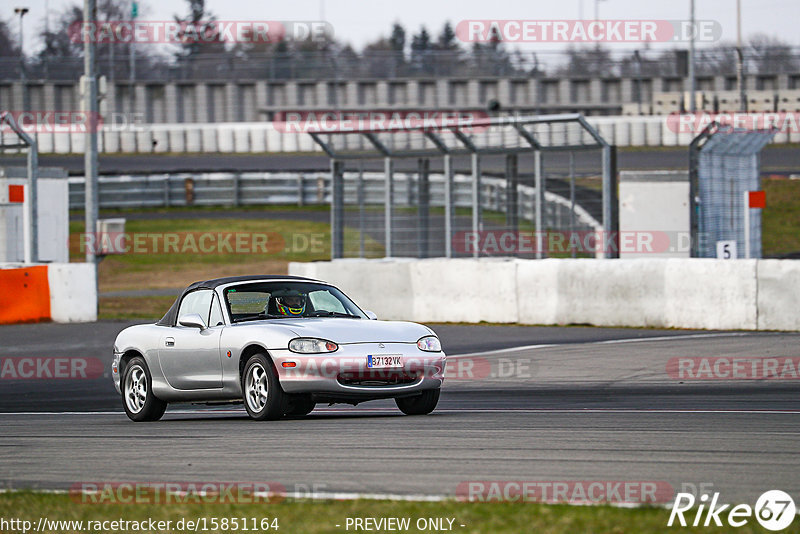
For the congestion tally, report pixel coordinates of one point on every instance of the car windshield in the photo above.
(287, 300)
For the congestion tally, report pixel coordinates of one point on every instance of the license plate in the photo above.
(384, 361)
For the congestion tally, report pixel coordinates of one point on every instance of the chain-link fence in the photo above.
(724, 167)
(535, 187)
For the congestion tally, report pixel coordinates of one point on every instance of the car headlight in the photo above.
(310, 345)
(430, 344)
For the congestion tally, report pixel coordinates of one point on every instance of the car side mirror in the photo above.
(192, 320)
(371, 315)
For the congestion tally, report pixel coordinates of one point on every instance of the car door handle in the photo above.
(170, 342)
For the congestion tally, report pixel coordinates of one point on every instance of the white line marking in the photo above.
(604, 342)
(391, 411)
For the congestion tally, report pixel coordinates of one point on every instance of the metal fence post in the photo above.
(388, 171)
(33, 202)
(448, 205)
(538, 201)
(361, 201)
(606, 196)
(476, 200)
(609, 199)
(166, 190)
(337, 209)
(236, 178)
(423, 211)
(572, 200)
(301, 183)
(512, 179)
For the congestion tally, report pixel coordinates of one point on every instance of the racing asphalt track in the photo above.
(573, 403)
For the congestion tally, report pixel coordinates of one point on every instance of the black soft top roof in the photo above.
(171, 317)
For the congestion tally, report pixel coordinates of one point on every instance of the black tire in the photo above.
(300, 405)
(263, 397)
(138, 400)
(421, 404)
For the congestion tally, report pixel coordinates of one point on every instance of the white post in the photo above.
(747, 225)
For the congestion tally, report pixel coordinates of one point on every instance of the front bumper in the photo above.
(345, 372)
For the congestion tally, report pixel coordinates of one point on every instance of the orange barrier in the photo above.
(24, 295)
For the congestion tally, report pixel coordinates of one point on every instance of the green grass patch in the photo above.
(317, 517)
(264, 239)
(780, 220)
(133, 307)
(203, 248)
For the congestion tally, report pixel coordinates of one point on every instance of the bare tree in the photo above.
(8, 42)
(770, 55)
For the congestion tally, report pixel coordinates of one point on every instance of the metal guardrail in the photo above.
(299, 189)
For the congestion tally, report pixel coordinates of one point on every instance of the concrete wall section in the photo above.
(60, 292)
(610, 293)
(73, 292)
(464, 290)
(711, 294)
(778, 295)
(537, 302)
(382, 286)
(657, 292)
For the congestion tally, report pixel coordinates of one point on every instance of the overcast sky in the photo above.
(361, 21)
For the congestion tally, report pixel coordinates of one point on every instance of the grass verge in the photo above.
(317, 517)
(780, 220)
(153, 265)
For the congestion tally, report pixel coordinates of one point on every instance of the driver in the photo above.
(290, 302)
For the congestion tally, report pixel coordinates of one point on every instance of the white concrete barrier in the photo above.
(610, 293)
(273, 139)
(144, 141)
(258, 139)
(711, 294)
(61, 143)
(263, 136)
(225, 140)
(161, 140)
(73, 292)
(111, 141)
(241, 139)
(60, 292)
(194, 140)
(665, 293)
(176, 140)
(778, 295)
(638, 133)
(127, 141)
(476, 291)
(654, 133)
(44, 141)
(208, 142)
(387, 290)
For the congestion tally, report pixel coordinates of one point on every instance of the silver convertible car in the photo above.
(277, 344)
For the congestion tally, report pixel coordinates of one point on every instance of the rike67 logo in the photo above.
(774, 510)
